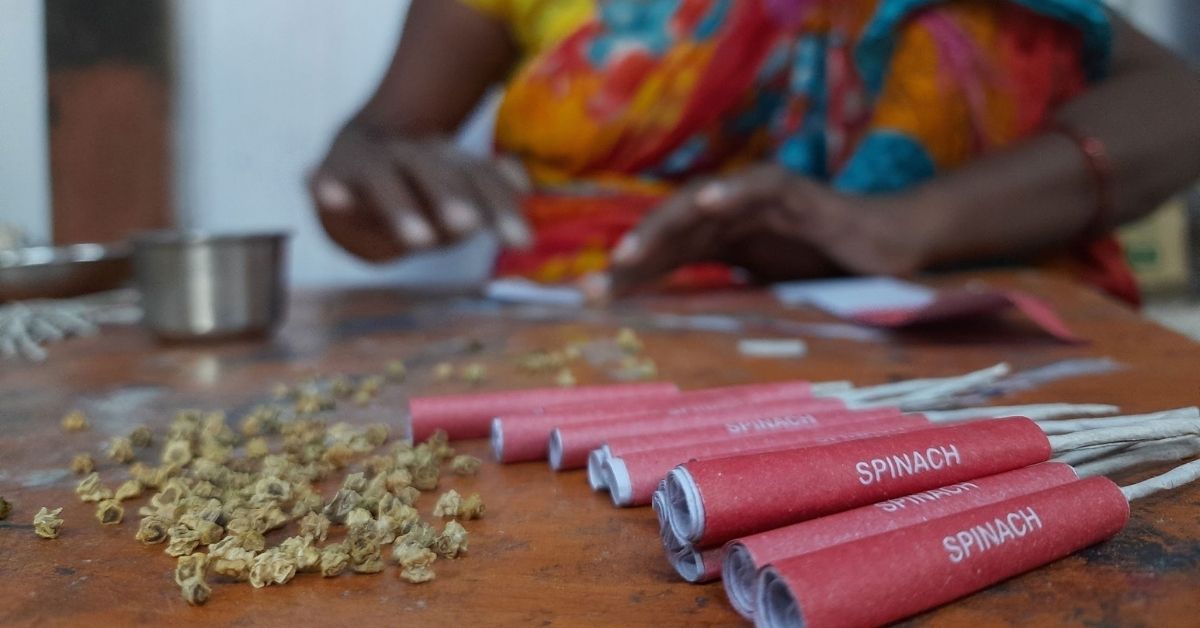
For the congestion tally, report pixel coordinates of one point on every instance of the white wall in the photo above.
(261, 85)
(24, 182)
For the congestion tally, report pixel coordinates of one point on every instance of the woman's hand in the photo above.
(775, 224)
(381, 196)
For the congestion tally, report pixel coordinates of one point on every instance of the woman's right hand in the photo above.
(381, 196)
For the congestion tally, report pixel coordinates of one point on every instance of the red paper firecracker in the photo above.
(523, 437)
(744, 557)
(470, 415)
(714, 501)
(571, 444)
(886, 577)
(633, 477)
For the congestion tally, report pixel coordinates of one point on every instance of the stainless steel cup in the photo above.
(199, 286)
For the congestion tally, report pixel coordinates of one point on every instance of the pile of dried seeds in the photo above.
(218, 492)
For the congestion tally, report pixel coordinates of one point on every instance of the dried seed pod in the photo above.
(109, 512)
(341, 387)
(376, 465)
(362, 398)
(443, 371)
(315, 526)
(355, 482)
(282, 391)
(452, 541)
(181, 540)
(130, 489)
(396, 371)
(257, 447)
(90, 489)
(141, 437)
(634, 368)
(121, 450)
(299, 550)
(465, 465)
(82, 464)
(372, 384)
(474, 373)
(195, 592)
(75, 421)
(448, 504)
(232, 562)
(398, 479)
(47, 523)
(628, 341)
(358, 517)
(565, 378)
(420, 534)
(342, 503)
(339, 455)
(177, 453)
(471, 508)
(5, 508)
(438, 445)
(408, 495)
(425, 477)
(377, 434)
(153, 529)
(192, 567)
(418, 567)
(274, 489)
(334, 560)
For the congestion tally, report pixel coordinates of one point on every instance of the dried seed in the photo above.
(153, 529)
(121, 450)
(418, 567)
(443, 372)
(141, 437)
(5, 508)
(47, 523)
(90, 489)
(396, 371)
(448, 504)
(82, 464)
(334, 560)
(628, 341)
(565, 378)
(193, 567)
(195, 591)
(75, 421)
(109, 512)
(314, 526)
(465, 465)
(474, 373)
(452, 541)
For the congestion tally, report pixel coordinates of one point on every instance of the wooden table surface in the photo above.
(549, 552)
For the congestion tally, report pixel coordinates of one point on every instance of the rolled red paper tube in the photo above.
(744, 557)
(634, 477)
(523, 437)
(887, 577)
(470, 415)
(748, 430)
(714, 501)
(571, 444)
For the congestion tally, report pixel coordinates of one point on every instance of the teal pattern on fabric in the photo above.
(885, 161)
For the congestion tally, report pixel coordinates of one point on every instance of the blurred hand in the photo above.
(381, 196)
(775, 224)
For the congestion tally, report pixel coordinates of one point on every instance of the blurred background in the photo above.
(122, 115)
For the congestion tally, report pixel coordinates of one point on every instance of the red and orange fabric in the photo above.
(620, 101)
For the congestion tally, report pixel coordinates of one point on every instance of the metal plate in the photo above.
(49, 272)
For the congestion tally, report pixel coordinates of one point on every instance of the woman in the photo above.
(790, 138)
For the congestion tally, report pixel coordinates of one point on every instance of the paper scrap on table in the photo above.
(892, 303)
(516, 290)
(772, 348)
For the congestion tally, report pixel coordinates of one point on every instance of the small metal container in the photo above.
(198, 286)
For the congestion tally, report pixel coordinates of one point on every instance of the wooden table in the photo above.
(550, 551)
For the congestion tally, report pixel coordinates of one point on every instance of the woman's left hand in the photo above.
(777, 225)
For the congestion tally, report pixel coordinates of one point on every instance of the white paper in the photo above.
(849, 297)
(528, 292)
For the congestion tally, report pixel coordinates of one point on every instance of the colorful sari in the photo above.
(624, 100)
